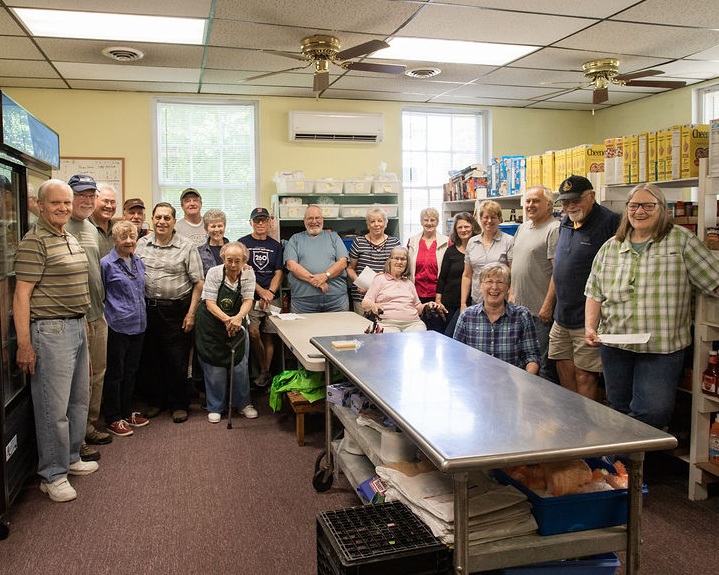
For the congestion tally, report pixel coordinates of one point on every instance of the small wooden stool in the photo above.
(301, 406)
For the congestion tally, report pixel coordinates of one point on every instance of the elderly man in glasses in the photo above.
(584, 228)
(316, 260)
(499, 328)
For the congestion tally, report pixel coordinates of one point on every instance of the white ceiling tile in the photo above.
(18, 48)
(699, 13)
(642, 39)
(170, 87)
(26, 69)
(572, 60)
(692, 69)
(602, 9)
(471, 24)
(127, 73)
(8, 82)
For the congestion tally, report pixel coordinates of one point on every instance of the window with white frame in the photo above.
(434, 143)
(211, 146)
(708, 101)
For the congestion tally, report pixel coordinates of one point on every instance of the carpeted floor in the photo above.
(196, 498)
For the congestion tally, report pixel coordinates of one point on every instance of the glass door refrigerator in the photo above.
(28, 151)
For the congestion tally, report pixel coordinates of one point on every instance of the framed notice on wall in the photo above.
(103, 170)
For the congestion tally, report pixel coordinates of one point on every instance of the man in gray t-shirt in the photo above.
(532, 286)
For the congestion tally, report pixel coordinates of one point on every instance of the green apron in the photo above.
(211, 340)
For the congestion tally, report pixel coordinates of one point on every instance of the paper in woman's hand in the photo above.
(364, 280)
(625, 338)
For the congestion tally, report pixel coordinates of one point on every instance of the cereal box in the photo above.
(651, 157)
(618, 160)
(694, 146)
(609, 160)
(548, 170)
(642, 157)
(676, 147)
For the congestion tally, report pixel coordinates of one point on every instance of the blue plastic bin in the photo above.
(604, 564)
(577, 512)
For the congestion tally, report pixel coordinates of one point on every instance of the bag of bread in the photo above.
(566, 477)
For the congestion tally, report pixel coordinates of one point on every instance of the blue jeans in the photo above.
(642, 385)
(60, 393)
(546, 368)
(216, 382)
(320, 303)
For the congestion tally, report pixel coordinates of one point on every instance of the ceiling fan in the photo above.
(320, 50)
(601, 73)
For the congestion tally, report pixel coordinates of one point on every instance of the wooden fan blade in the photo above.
(656, 84)
(372, 67)
(321, 81)
(600, 95)
(268, 74)
(362, 49)
(293, 55)
(640, 74)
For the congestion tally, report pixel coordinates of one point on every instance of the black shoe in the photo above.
(179, 415)
(151, 412)
(88, 453)
(96, 437)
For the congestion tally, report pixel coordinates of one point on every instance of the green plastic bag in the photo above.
(310, 384)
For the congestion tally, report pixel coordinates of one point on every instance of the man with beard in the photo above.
(316, 260)
(584, 228)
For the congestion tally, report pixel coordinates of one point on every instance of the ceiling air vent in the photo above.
(422, 73)
(123, 54)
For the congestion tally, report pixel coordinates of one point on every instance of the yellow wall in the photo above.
(118, 124)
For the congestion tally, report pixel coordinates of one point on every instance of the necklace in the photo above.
(380, 246)
(131, 273)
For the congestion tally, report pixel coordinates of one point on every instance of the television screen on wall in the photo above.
(24, 133)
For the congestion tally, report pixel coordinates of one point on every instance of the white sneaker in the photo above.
(249, 412)
(59, 490)
(81, 467)
(214, 417)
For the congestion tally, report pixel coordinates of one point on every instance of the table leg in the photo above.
(300, 428)
(328, 420)
(634, 512)
(461, 518)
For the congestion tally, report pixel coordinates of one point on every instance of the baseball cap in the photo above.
(189, 191)
(133, 203)
(573, 187)
(259, 212)
(81, 183)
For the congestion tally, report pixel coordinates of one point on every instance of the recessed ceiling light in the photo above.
(423, 72)
(452, 51)
(123, 54)
(104, 26)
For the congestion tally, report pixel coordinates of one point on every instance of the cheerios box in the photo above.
(694, 146)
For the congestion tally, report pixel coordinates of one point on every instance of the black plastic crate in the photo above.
(383, 539)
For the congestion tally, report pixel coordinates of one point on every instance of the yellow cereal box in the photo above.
(619, 160)
(548, 170)
(642, 157)
(676, 163)
(664, 155)
(560, 166)
(694, 145)
(630, 159)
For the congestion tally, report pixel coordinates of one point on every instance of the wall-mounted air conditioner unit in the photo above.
(336, 126)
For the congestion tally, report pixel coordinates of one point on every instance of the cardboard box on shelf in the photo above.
(651, 157)
(694, 145)
(643, 157)
(548, 170)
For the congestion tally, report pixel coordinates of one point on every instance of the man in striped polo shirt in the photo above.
(50, 302)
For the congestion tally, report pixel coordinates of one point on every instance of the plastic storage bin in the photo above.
(295, 186)
(328, 186)
(388, 187)
(383, 539)
(354, 210)
(604, 564)
(577, 512)
(389, 209)
(358, 186)
(292, 211)
(329, 210)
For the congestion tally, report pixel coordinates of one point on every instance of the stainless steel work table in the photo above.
(467, 410)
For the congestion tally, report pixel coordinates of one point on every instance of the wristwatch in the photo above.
(327, 274)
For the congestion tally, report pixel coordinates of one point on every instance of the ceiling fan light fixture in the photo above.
(123, 54)
(423, 72)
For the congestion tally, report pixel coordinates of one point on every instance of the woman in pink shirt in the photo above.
(393, 297)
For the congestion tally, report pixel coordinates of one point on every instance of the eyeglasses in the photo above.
(648, 207)
(261, 220)
(498, 283)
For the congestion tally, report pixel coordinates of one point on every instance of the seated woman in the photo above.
(227, 298)
(499, 328)
(393, 297)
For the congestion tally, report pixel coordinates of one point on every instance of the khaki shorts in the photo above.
(565, 343)
(258, 318)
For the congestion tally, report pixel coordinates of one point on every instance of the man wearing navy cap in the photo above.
(584, 228)
(85, 192)
(266, 260)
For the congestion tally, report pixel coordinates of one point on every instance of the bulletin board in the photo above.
(103, 170)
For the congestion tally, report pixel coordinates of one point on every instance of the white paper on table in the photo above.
(364, 280)
(288, 316)
(625, 338)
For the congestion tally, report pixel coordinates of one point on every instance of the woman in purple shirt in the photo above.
(123, 275)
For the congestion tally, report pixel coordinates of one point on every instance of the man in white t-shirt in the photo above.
(191, 226)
